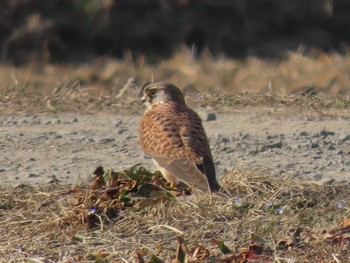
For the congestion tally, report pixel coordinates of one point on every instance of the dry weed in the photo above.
(256, 217)
(315, 81)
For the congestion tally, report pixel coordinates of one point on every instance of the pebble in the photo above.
(224, 140)
(325, 133)
(106, 140)
(121, 130)
(303, 134)
(53, 180)
(315, 145)
(206, 116)
(36, 122)
(346, 138)
(271, 146)
(118, 124)
(32, 175)
(331, 147)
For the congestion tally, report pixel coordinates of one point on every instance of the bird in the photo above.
(173, 135)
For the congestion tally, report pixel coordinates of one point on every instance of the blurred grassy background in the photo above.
(257, 46)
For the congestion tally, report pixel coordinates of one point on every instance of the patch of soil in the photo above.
(67, 147)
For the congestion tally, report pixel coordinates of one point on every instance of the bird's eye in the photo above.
(152, 92)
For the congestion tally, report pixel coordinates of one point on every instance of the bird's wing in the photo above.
(186, 171)
(196, 147)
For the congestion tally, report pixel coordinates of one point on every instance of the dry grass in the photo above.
(272, 219)
(315, 80)
(288, 221)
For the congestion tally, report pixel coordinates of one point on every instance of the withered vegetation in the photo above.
(314, 81)
(133, 216)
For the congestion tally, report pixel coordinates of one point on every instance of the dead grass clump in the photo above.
(132, 216)
(316, 81)
(66, 97)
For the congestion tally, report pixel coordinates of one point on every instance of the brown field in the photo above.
(256, 219)
(315, 80)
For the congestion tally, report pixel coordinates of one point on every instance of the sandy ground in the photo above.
(67, 147)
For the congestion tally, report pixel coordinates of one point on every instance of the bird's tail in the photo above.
(210, 172)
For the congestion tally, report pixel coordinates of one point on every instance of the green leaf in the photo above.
(143, 171)
(132, 175)
(123, 196)
(223, 248)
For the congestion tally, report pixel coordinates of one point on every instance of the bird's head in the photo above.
(162, 92)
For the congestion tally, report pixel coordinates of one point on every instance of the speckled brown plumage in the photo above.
(174, 136)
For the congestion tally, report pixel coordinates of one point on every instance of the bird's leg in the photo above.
(172, 185)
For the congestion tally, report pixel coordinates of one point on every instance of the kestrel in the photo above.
(173, 135)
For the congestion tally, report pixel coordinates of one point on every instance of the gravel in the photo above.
(66, 148)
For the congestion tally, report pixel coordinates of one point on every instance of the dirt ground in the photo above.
(67, 147)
